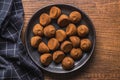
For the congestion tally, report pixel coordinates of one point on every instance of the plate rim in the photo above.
(85, 61)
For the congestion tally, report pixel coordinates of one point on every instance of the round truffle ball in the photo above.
(85, 44)
(58, 56)
(46, 59)
(35, 41)
(71, 30)
(66, 46)
(75, 41)
(76, 53)
(54, 12)
(75, 16)
(63, 20)
(67, 63)
(82, 30)
(43, 48)
(53, 44)
(60, 35)
(44, 19)
(49, 31)
(38, 30)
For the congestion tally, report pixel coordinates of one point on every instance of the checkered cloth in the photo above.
(15, 63)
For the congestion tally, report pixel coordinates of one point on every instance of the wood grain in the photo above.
(105, 14)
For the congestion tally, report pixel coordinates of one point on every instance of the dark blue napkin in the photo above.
(15, 63)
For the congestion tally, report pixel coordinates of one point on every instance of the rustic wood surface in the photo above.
(105, 14)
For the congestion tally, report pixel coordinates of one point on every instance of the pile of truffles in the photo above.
(63, 46)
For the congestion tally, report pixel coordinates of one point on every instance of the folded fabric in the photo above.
(15, 63)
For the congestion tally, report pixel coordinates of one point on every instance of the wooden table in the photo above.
(105, 14)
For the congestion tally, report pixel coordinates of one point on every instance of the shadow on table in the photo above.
(72, 75)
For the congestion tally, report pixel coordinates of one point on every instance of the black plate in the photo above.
(34, 54)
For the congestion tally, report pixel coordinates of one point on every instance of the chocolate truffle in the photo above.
(75, 41)
(58, 56)
(75, 16)
(71, 29)
(82, 30)
(67, 63)
(43, 48)
(44, 19)
(49, 31)
(35, 41)
(53, 44)
(54, 12)
(38, 30)
(76, 53)
(63, 20)
(66, 46)
(60, 35)
(85, 44)
(46, 59)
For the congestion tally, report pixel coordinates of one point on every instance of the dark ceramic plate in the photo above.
(34, 54)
